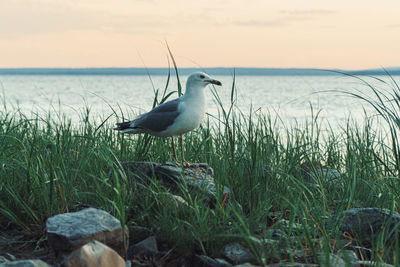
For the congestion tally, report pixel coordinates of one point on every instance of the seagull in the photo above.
(175, 117)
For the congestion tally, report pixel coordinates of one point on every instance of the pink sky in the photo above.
(355, 34)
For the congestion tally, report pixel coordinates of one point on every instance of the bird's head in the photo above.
(200, 79)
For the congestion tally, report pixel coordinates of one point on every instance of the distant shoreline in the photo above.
(186, 71)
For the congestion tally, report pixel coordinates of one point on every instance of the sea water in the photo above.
(292, 99)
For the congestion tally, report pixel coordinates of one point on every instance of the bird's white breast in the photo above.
(192, 110)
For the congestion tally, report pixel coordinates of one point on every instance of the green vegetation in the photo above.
(50, 165)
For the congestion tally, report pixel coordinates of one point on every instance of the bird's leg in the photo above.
(173, 149)
(185, 163)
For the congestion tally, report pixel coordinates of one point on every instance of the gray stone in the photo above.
(93, 254)
(172, 201)
(330, 260)
(204, 261)
(10, 257)
(237, 254)
(350, 257)
(327, 176)
(366, 223)
(247, 264)
(223, 263)
(179, 261)
(198, 177)
(7, 258)
(146, 248)
(293, 264)
(138, 233)
(373, 264)
(25, 263)
(136, 263)
(3, 259)
(69, 231)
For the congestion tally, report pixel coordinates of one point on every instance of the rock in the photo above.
(204, 261)
(237, 254)
(173, 201)
(328, 176)
(138, 233)
(180, 261)
(10, 257)
(25, 263)
(7, 257)
(3, 259)
(365, 223)
(93, 254)
(69, 231)
(246, 265)
(293, 264)
(223, 263)
(144, 249)
(198, 177)
(350, 257)
(373, 264)
(137, 263)
(330, 260)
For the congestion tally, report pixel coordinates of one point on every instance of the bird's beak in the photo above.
(215, 82)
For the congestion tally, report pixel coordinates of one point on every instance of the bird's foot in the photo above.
(184, 163)
(187, 164)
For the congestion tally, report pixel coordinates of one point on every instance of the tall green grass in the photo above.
(385, 101)
(50, 165)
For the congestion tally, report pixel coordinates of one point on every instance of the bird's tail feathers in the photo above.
(127, 127)
(123, 125)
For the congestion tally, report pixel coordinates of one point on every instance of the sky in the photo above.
(340, 34)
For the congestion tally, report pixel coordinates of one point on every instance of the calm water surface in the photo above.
(289, 97)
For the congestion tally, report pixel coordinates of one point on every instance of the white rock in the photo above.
(93, 254)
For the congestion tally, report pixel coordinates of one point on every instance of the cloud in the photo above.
(393, 26)
(261, 23)
(20, 19)
(308, 12)
(32, 17)
(279, 22)
(286, 18)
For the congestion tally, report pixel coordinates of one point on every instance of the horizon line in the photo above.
(184, 71)
(220, 67)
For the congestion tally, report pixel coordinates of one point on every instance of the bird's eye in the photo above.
(202, 76)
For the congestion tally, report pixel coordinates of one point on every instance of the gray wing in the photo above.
(169, 106)
(159, 118)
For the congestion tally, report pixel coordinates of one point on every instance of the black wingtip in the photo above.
(122, 125)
